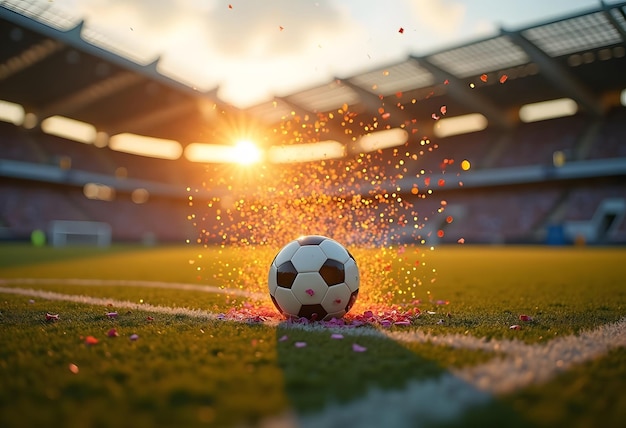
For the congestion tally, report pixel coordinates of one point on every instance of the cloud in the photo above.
(444, 17)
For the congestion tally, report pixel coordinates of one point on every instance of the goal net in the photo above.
(66, 232)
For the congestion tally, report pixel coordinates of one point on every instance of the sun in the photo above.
(245, 152)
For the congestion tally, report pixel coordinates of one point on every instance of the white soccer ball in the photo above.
(314, 277)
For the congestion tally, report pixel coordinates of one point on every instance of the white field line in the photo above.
(446, 398)
(132, 283)
(434, 400)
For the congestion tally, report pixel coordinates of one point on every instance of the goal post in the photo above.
(70, 232)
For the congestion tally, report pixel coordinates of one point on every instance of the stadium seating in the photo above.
(500, 214)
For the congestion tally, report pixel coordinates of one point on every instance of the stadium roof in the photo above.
(55, 65)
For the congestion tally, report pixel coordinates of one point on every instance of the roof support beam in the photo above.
(372, 104)
(607, 12)
(144, 122)
(558, 75)
(471, 99)
(90, 94)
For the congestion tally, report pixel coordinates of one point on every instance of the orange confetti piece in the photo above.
(446, 82)
(90, 340)
(281, 28)
(441, 182)
(230, 6)
(73, 368)
(386, 116)
(503, 78)
(440, 233)
(443, 109)
(461, 241)
(483, 77)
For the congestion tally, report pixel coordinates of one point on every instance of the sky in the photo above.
(253, 50)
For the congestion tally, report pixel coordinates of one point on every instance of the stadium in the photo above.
(480, 187)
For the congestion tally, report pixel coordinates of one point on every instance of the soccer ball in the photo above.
(314, 277)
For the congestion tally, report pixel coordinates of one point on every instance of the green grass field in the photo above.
(458, 364)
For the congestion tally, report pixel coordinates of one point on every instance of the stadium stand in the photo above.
(529, 182)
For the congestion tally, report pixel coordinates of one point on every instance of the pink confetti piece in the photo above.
(310, 292)
(515, 327)
(112, 314)
(283, 338)
(435, 117)
(149, 319)
(134, 337)
(443, 110)
(73, 368)
(336, 336)
(461, 241)
(112, 333)
(90, 340)
(358, 348)
(525, 318)
(300, 344)
(52, 317)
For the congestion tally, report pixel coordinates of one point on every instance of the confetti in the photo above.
(525, 318)
(401, 30)
(133, 337)
(310, 292)
(52, 317)
(73, 368)
(503, 78)
(483, 77)
(112, 333)
(358, 348)
(336, 336)
(112, 314)
(515, 327)
(300, 344)
(283, 338)
(443, 110)
(461, 241)
(90, 340)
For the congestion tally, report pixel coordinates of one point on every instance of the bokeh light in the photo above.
(362, 201)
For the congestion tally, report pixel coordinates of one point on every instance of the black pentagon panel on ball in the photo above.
(353, 297)
(286, 274)
(313, 312)
(311, 240)
(332, 272)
